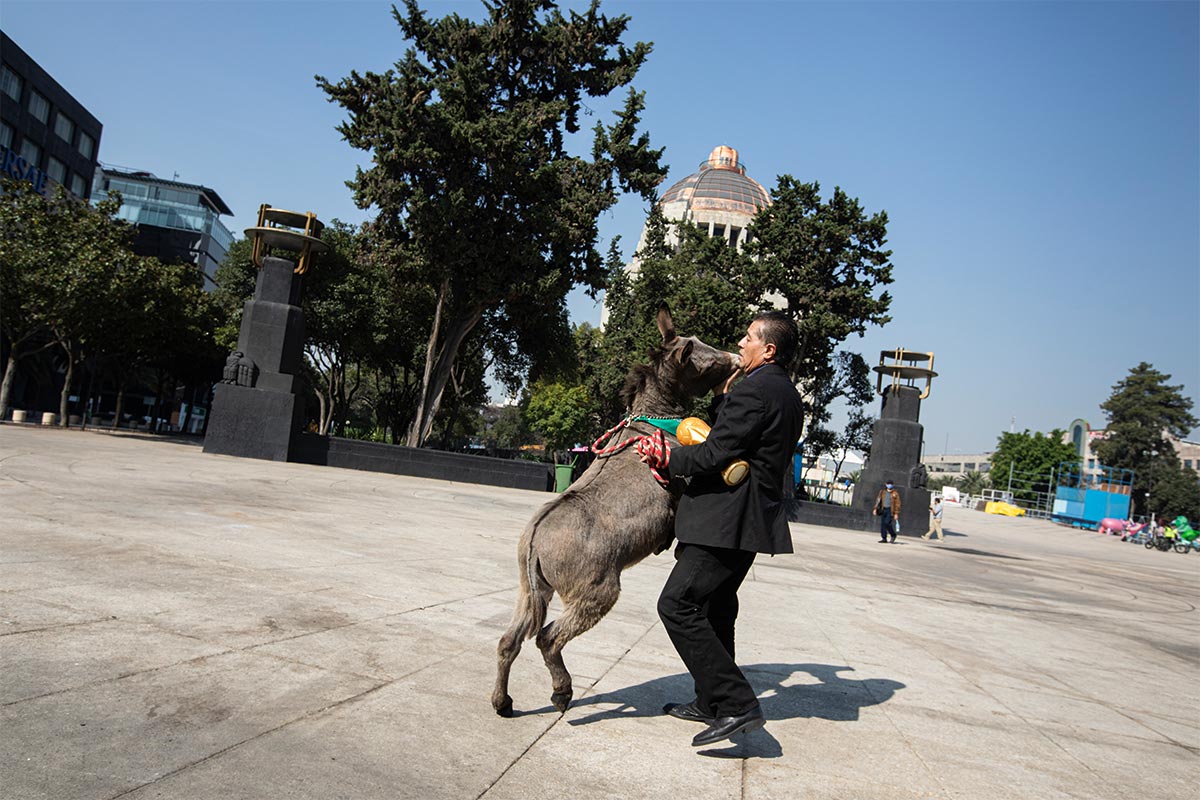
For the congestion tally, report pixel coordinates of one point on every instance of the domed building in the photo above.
(719, 198)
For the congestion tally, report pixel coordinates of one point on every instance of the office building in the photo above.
(46, 136)
(176, 222)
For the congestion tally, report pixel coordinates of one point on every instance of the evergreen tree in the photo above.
(1142, 409)
(697, 277)
(471, 170)
(825, 262)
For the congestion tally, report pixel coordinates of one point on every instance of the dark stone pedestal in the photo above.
(255, 411)
(309, 448)
(809, 513)
(896, 457)
(253, 423)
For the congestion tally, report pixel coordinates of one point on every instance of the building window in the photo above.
(31, 152)
(1091, 463)
(39, 107)
(1187, 462)
(56, 170)
(87, 145)
(10, 83)
(64, 127)
(6, 135)
(78, 188)
(969, 467)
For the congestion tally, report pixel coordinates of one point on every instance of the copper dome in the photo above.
(721, 184)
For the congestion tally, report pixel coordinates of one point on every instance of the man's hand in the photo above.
(655, 452)
(723, 388)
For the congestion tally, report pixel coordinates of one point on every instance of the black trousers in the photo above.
(698, 607)
(887, 526)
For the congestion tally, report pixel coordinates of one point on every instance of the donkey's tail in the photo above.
(534, 599)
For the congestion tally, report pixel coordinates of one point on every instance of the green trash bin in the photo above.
(562, 476)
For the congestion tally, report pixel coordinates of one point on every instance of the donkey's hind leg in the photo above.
(580, 612)
(510, 646)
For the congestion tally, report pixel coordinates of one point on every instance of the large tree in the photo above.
(471, 167)
(824, 263)
(58, 257)
(1142, 410)
(1032, 460)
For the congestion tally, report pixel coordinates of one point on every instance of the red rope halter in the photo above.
(605, 452)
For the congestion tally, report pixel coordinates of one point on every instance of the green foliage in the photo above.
(470, 171)
(825, 260)
(508, 431)
(850, 380)
(1174, 490)
(937, 482)
(68, 276)
(561, 414)
(697, 279)
(1032, 457)
(1142, 408)
(972, 483)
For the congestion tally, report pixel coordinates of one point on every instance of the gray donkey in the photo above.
(615, 515)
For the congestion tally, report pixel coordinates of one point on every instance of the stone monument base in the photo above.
(253, 423)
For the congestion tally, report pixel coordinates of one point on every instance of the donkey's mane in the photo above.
(644, 391)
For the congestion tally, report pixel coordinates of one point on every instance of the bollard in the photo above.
(48, 417)
(75, 420)
(18, 415)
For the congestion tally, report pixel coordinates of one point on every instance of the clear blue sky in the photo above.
(1039, 162)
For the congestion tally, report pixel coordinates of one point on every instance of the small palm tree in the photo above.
(973, 483)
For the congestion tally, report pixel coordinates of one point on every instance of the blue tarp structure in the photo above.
(1085, 498)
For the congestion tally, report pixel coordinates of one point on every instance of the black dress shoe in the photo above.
(687, 711)
(882, 541)
(724, 727)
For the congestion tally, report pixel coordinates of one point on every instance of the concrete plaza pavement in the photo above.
(182, 625)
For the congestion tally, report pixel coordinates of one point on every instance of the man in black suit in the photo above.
(720, 528)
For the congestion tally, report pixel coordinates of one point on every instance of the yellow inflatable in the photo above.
(1007, 509)
(694, 430)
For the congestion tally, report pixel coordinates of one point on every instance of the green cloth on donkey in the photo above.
(668, 424)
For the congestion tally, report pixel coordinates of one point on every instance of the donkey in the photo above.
(615, 515)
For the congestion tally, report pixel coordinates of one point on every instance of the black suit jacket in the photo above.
(760, 421)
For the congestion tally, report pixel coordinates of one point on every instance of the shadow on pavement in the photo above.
(786, 691)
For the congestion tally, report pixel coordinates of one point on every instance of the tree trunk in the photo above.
(85, 398)
(435, 386)
(322, 414)
(187, 417)
(414, 437)
(120, 402)
(10, 372)
(63, 402)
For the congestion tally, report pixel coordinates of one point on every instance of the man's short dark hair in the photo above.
(778, 329)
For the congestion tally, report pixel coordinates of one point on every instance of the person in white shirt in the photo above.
(936, 522)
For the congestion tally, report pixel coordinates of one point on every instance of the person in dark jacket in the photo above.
(887, 508)
(721, 528)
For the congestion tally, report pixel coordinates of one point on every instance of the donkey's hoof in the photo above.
(562, 699)
(505, 708)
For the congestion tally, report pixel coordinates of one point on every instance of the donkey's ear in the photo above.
(685, 352)
(666, 325)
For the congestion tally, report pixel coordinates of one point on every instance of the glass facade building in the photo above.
(175, 221)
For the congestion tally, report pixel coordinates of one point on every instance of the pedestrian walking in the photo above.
(887, 508)
(935, 522)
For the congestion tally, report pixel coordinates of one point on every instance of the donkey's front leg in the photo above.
(579, 614)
